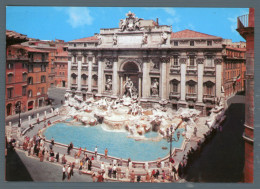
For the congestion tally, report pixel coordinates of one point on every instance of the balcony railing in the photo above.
(191, 96)
(209, 70)
(174, 95)
(209, 98)
(191, 69)
(242, 21)
(16, 57)
(175, 68)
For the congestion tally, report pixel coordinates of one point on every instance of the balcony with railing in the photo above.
(243, 21)
(84, 66)
(174, 95)
(191, 69)
(17, 57)
(191, 97)
(208, 98)
(209, 70)
(175, 69)
(246, 23)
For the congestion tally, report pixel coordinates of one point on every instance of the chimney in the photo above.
(157, 21)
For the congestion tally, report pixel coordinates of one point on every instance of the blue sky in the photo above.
(69, 23)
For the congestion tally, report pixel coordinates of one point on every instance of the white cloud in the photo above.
(233, 24)
(170, 11)
(79, 16)
(191, 26)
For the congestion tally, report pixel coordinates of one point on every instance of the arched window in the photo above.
(30, 94)
(43, 79)
(84, 79)
(30, 80)
(10, 77)
(94, 80)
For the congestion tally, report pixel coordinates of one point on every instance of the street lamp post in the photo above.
(169, 133)
(18, 108)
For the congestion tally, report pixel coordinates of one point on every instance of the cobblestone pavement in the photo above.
(47, 171)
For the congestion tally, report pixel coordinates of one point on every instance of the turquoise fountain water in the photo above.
(117, 143)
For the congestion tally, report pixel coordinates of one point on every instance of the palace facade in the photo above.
(182, 68)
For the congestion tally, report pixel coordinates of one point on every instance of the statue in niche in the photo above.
(144, 39)
(109, 84)
(155, 88)
(128, 88)
(164, 37)
(114, 39)
(109, 64)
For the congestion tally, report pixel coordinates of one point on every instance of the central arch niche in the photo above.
(130, 70)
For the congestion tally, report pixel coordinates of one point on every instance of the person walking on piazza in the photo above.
(64, 172)
(69, 172)
(57, 157)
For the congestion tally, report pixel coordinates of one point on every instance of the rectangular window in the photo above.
(209, 62)
(209, 43)
(192, 61)
(24, 91)
(209, 90)
(191, 43)
(30, 68)
(175, 87)
(24, 77)
(175, 60)
(175, 43)
(191, 89)
(42, 90)
(74, 45)
(10, 78)
(85, 44)
(10, 66)
(10, 92)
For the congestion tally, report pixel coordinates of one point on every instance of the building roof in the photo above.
(86, 39)
(236, 49)
(15, 35)
(188, 34)
(29, 49)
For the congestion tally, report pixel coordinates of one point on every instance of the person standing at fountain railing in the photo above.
(114, 171)
(96, 151)
(106, 151)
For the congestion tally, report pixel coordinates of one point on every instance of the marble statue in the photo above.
(114, 39)
(108, 84)
(164, 38)
(144, 39)
(99, 40)
(155, 87)
(128, 88)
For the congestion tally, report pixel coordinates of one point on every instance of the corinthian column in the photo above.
(218, 77)
(115, 77)
(200, 79)
(90, 60)
(79, 72)
(146, 78)
(183, 78)
(163, 76)
(100, 76)
(69, 74)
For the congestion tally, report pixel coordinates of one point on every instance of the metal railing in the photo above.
(242, 21)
